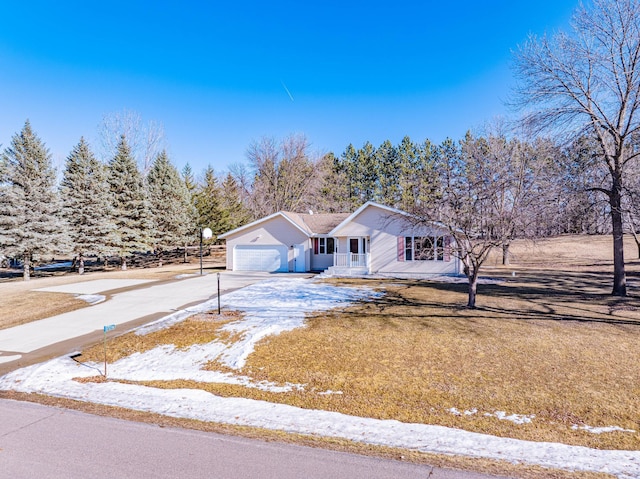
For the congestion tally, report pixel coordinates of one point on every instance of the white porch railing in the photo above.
(351, 260)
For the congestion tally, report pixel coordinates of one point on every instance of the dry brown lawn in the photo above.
(198, 329)
(566, 252)
(550, 343)
(416, 354)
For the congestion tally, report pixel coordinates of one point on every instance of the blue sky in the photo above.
(216, 76)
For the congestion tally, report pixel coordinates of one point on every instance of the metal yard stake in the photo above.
(111, 327)
(218, 293)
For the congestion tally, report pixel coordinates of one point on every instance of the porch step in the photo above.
(347, 271)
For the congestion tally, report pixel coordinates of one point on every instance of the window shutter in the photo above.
(447, 248)
(400, 248)
(315, 245)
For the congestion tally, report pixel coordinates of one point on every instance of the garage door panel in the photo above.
(270, 258)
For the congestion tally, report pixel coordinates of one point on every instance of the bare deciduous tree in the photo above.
(146, 140)
(332, 195)
(587, 83)
(513, 170)
(285, 176)
(477, 201)
(631, 204)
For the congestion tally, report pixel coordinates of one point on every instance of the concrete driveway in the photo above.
(128, 302)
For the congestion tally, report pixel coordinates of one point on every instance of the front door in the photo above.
(299, 263)
(357, 250)
(354, 245)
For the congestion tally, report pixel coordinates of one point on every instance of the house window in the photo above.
(440, 248)
(408, 248)
(425, 248)
(323, 245)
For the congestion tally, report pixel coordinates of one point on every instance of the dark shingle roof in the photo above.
(317, 223)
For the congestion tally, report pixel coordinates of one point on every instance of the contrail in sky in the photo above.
(287, 90)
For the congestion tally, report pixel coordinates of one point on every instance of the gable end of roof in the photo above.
(262, 220)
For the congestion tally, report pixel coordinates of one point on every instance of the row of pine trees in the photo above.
(111, 208)
(104, 209)
(559, 179)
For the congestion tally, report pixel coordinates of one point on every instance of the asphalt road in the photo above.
(50, 443)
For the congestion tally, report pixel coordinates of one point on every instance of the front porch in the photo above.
(350, 264)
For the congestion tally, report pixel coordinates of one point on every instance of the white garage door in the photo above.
(271, 258)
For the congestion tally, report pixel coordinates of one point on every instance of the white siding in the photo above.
(383, 228)
(276, 231)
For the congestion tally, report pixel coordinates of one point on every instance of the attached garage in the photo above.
(270, 258)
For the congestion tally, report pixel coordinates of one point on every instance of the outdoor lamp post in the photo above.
(205, 233)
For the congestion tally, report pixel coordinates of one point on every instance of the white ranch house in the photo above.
(375, 239)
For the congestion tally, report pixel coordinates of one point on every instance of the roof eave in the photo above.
(353, 215)
(262, 220)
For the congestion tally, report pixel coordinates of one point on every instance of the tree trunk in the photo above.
(619, 278)
(81, 264)
(185, 259)
(473, 289)
(26, 267)
(505, 254)
(123, 266)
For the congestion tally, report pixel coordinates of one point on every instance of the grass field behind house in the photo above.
(549, 343)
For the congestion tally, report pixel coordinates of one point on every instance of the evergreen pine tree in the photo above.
(366, 174)
(169, 203)
(347, 166)
(191, 185)
(231, 202)
(208, 201)
(409, 174)
(86, 204)
(387, 185)
(129, 203)
(30, 222)
(189, 180)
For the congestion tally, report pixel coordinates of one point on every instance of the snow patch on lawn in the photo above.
(602, 429)
(514, 418)
(329, 392)
(456, 412)
(168, 363)
(503, 416)
(270, 308)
